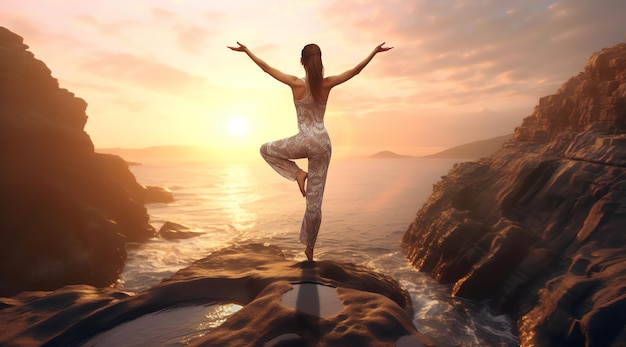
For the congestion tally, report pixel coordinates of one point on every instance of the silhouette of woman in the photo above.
(312, 141)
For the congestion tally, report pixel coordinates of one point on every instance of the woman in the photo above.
(312, 142)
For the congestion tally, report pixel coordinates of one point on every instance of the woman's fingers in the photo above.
(240, 48)
(380, 48)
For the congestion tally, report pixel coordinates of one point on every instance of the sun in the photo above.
(238, 126)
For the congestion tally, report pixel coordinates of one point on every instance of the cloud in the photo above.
(26, 28)
(117, 28)
(19, 25)
(142, 73)
(162, 14)
(192, 39)
(478, 42)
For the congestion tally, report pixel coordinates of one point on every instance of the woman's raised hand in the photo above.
(240, 48)
(379, 48)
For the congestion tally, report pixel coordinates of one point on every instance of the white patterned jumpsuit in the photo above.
(311, 142)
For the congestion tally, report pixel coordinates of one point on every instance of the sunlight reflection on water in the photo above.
(235, 193)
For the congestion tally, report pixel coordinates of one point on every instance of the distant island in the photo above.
(473, 150)
(389, 154)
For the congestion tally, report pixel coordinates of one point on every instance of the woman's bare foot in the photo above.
(309, 253)
(301, 177)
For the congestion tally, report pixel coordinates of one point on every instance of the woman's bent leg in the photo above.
(278, 154)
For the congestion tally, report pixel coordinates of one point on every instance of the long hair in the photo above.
(312, 61)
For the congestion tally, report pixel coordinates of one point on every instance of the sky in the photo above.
(158, 72)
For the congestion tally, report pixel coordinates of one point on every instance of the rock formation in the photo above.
(66, 211)
(372, 309)
(175, 231)
(538, 227)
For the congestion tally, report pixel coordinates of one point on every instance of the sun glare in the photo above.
(238, 126)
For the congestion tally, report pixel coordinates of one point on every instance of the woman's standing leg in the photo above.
(318, 170)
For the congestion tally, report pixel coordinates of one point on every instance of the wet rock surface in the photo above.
(354, 307)
(538, 227)
(175, 231)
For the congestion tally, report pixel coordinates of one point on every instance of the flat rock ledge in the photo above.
(285, 303)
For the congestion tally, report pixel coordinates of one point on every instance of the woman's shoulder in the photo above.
(329, 82)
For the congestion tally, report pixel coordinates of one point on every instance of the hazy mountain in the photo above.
(157, 152)
(388, 154)
(473, 150)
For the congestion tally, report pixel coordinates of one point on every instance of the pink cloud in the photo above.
(192, 38)
(162, 14)
(23, 27)
(115, 28)
(143, 73)
(535, 38)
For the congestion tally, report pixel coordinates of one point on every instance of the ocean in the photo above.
(368, 205)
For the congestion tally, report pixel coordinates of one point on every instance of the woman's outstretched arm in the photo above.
(332, 81)
(277, 74)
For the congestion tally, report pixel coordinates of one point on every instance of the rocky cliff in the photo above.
(539, 227)
(66, 211)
